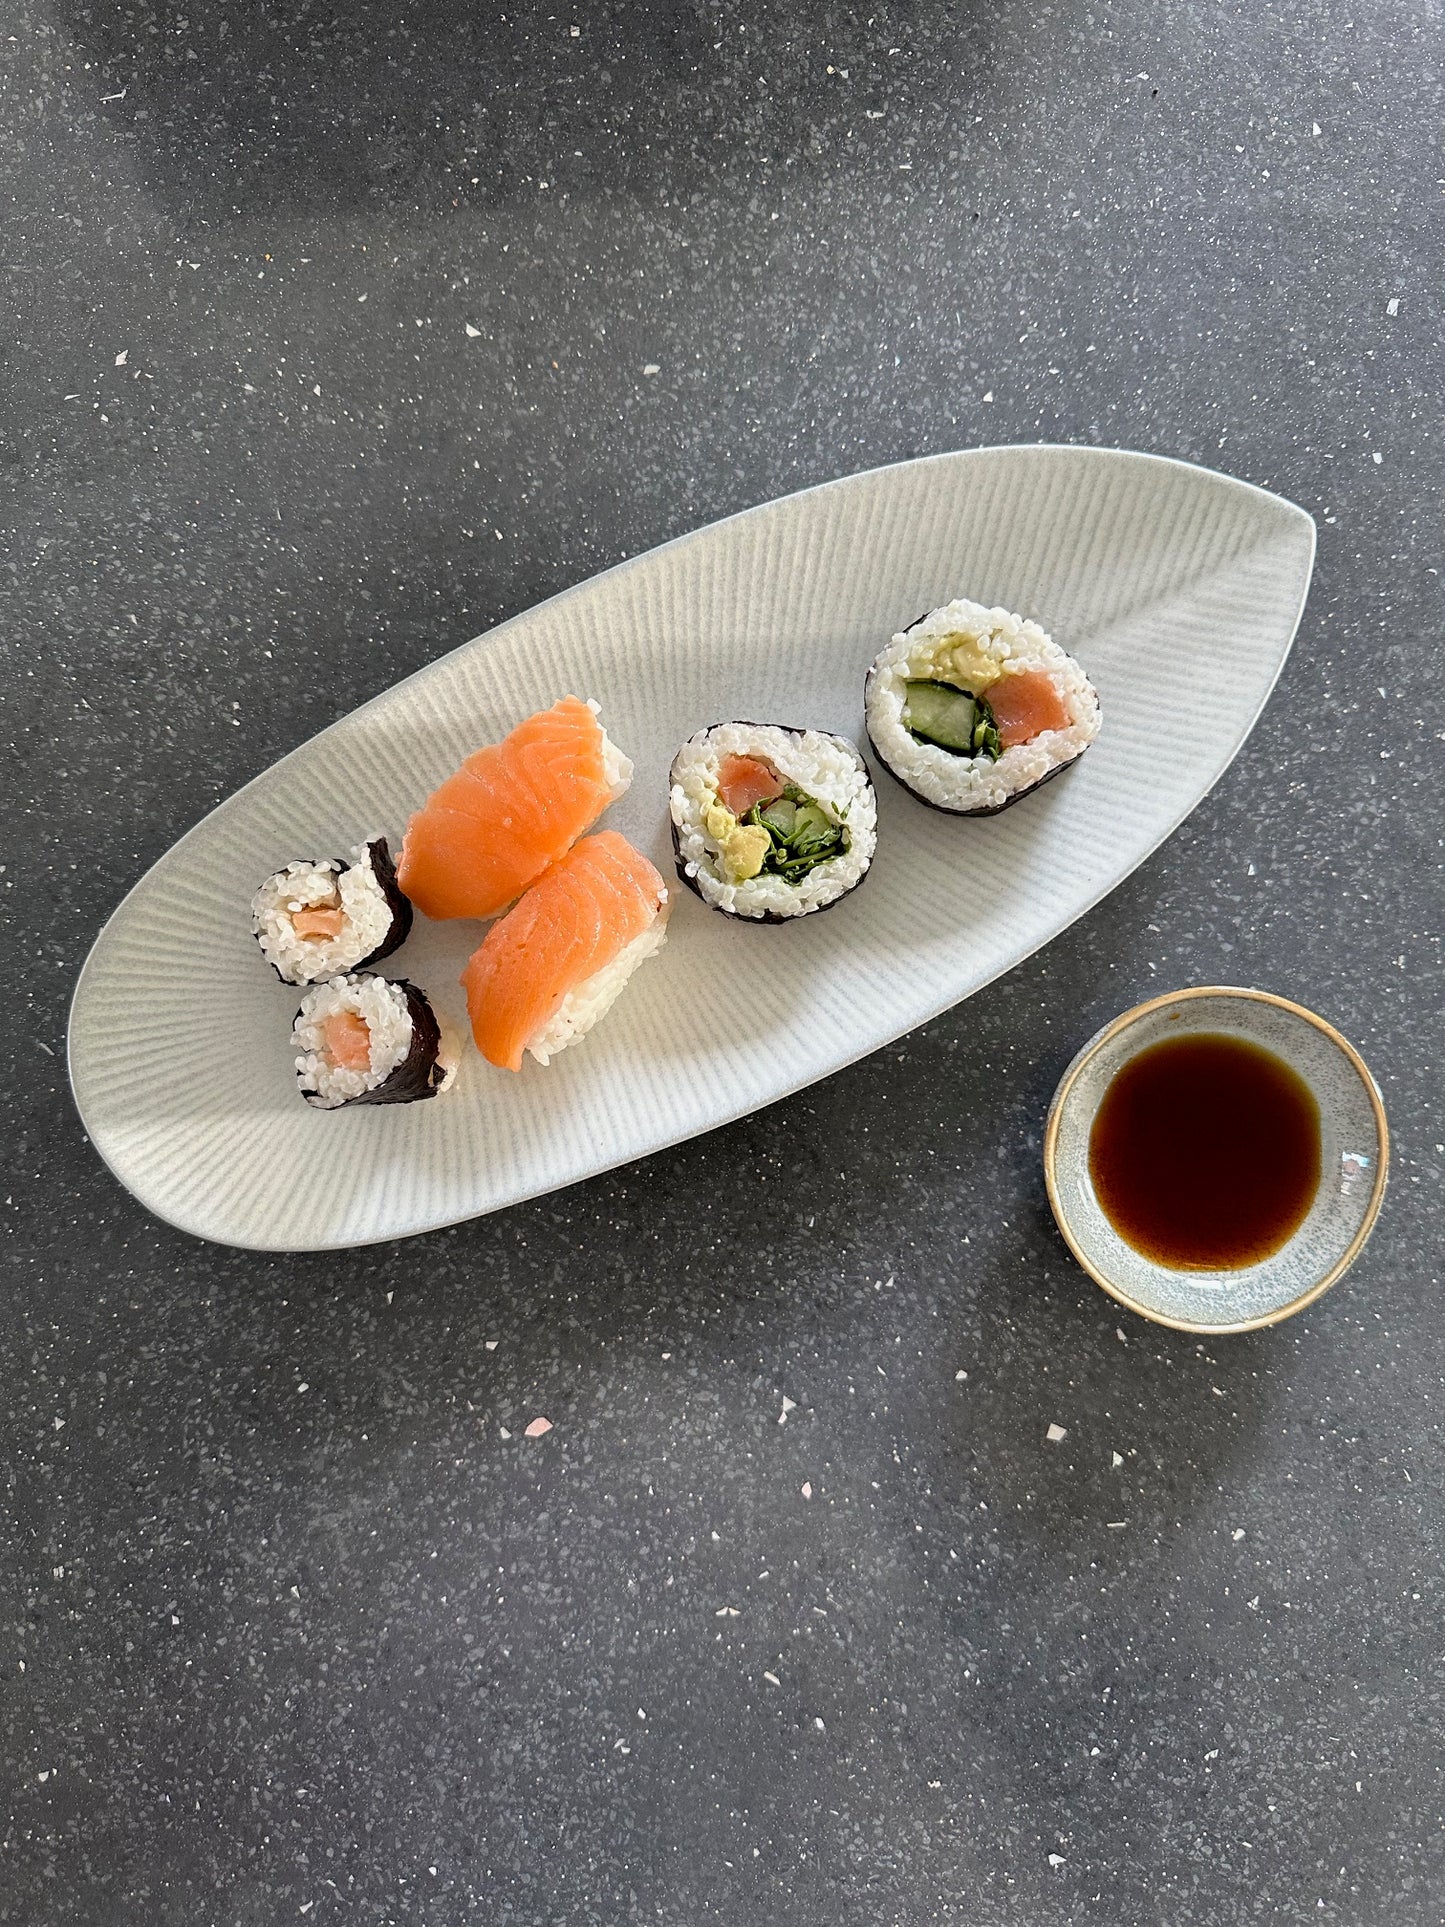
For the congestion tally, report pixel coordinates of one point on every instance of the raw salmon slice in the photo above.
(745, 780)
(315, 925)
(348, 1040)
(1024, 706)
(565, 936)
(510, 810)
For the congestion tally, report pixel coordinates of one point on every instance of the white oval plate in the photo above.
(1179, 589)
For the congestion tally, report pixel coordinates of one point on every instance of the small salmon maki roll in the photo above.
(510, 810)
(319, 919)
(556, 963)
(363, 1039)
(972, 708)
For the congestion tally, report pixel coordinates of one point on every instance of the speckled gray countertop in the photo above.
(332, 336)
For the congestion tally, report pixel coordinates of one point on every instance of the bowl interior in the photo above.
(1353, 1157)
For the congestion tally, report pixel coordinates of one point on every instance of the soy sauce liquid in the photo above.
(1205, 1152)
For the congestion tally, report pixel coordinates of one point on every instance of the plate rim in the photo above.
(1088, 452)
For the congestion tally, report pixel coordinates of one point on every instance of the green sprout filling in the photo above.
(802, 834)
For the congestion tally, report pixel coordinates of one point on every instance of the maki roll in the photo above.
(771, 823)
(560, 958)
(972, 708)
(319, 920)
(368, 1040)
(511, 809)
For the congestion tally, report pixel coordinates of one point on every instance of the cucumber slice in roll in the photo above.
(955, 719)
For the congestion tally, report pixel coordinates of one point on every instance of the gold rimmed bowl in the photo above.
(1354, 1161)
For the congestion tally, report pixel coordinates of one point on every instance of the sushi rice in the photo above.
(965, 644)
(828, 769)
(591, 1000)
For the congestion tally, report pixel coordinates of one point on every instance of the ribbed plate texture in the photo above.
(1179, 590)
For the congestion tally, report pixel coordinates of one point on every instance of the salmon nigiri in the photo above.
(549, 969)
(510, 810)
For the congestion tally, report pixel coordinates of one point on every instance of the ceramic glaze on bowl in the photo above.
(1354, 1160)
(1179, 590)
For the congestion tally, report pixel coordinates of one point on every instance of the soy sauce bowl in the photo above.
(1354, 1161)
